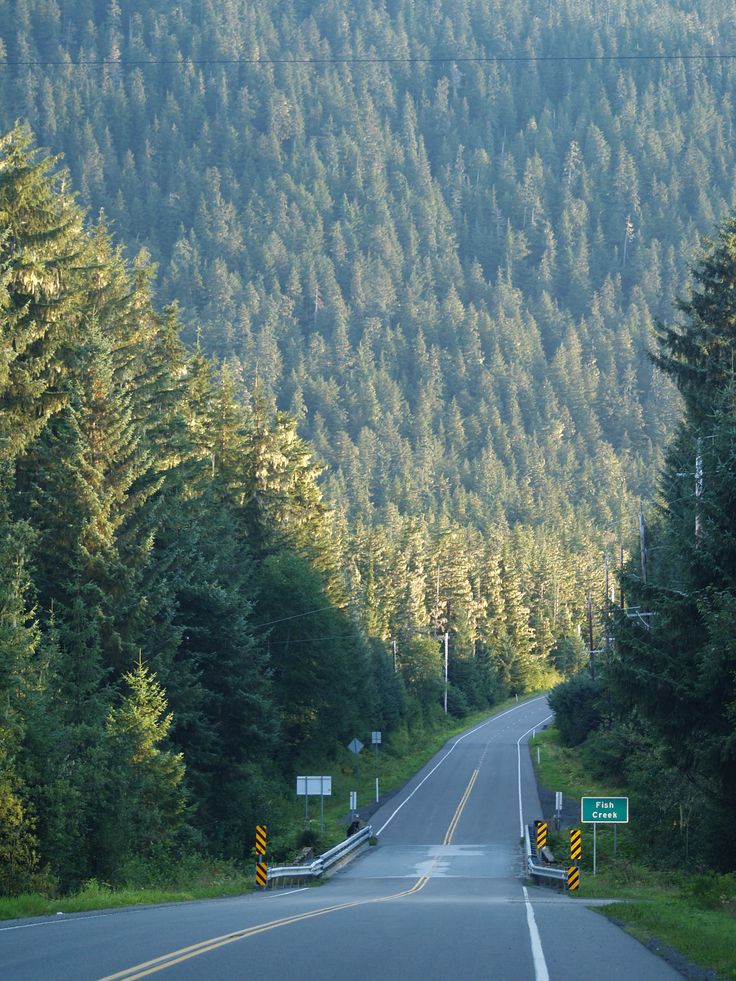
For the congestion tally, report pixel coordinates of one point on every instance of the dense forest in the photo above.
(327, 334)
(446, 268)
(183, 620)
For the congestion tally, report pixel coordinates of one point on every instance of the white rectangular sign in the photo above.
(376, 738)
(314, 786)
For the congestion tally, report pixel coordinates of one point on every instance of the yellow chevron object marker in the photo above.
(262, 875)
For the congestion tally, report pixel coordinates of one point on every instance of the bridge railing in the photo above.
(543, 874)
(323, 862)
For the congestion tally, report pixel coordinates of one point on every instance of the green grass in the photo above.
(399, 758)
(663, 905)
(94, 895)
(706, 937)
(560, 768)
(397, 761)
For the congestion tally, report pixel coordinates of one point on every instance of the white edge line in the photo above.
(64, 918)
(515, 708)
(540, 964)
(465, 735)
(76, 917)
(518, 766)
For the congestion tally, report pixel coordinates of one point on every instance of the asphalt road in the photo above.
(440, 897)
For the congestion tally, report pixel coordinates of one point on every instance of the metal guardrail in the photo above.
(310, 871)
(329, 858)
(542, 873)
(322, 862)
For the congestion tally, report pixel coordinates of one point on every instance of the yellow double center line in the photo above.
(205, 946)
(460, 808)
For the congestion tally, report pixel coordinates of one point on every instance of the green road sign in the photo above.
(604, 810)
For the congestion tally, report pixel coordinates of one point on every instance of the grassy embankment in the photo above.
(398, 759)
(695, 915)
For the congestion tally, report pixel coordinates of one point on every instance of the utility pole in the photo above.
(621, 597)
(447, 647)
(698, 491)
(393, 644)
(643, 542)
(590, 633)
(608, 601)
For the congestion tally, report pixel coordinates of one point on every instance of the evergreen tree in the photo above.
(19, 859)
(146, 801)
(40, 227)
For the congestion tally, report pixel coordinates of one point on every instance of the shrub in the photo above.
(577, 707)
(711, 891)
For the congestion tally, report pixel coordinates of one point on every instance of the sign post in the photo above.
(313, 786)
(376, 741)
(603, 810)
(261, 866)
(355, 746)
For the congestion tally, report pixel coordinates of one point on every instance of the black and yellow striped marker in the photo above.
(262, 874)
(573, 877)
(576, 844)
(541, 834)
(261, 831)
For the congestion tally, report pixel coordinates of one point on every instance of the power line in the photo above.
(296, 616)
(303, 640)
(429, 60)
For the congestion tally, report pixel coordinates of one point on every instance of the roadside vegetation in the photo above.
(686, 908)
(404, 752)
(200, 879)
(654, 718)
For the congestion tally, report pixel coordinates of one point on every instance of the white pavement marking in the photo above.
(470, 732)
(540, 964)
(63, 919)
(71, 918)
(518, 765)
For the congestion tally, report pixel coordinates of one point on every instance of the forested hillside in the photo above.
(341, 344)
(446, 267)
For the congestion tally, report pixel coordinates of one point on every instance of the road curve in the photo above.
(440, 897)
